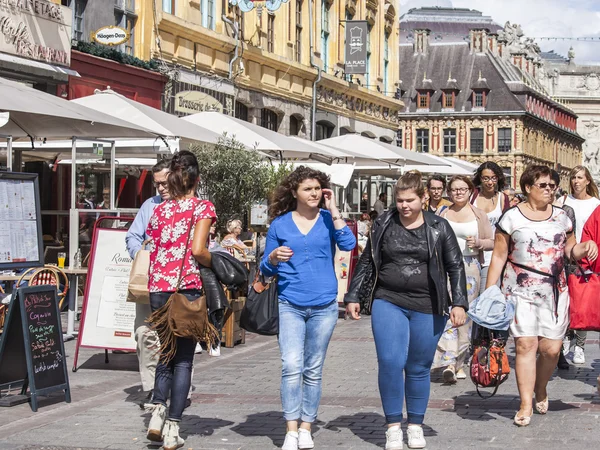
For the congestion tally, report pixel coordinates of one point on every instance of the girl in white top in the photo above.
(488, 197)
(474, 235)
(584, 200)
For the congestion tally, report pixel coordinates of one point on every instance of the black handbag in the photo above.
(260, 314)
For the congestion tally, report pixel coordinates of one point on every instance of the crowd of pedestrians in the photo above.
(424, 260)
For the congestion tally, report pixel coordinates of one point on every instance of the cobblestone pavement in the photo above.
(236, 405)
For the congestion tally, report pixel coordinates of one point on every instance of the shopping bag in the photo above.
(584, 309)
(137, 291)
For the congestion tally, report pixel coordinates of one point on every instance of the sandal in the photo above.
(522, 421)
(542, 407)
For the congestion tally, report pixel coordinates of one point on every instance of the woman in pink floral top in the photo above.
(178, 230)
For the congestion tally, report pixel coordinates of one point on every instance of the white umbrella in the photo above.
(151, 118)
(36, 114)
(254, 136)
(376, 150)
(444, 167)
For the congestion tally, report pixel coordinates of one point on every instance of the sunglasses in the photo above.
(550, 186)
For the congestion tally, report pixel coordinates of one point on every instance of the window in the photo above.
(448, 100)
(241, 111)
(270, 32)
(298, 30)
(324, 130)
(450, 140)
(423, 100)
(504, 139)
(169, 6)
(325, 34)
(423, 141)
(208, 13)
(399, 140)
(295, 125)
(78, 12)
(479, 99)
(368, 74)
(386, 60)
(268, 119)
(129, 26)
(349, 16)
(476, 140)
(507, 175)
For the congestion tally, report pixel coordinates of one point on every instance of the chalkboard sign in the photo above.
(32, 348)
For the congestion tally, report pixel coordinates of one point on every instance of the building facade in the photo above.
(479, 96)
(257, 65)
(35, 43)
(579, 86)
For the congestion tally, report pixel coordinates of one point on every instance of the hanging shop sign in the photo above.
(248, 5)
(356, 47)
(36, 29)
(110, 35)
(192, 102)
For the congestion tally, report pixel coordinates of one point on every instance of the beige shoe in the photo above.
(461, 375)
(172, 440)
(449, 375)
(157, 421)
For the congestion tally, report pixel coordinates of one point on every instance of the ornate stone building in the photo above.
(478, 96)
(578, 86)
(257, 65)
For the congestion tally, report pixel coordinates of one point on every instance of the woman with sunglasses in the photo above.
(474, 235)
(532, 239)
(584, 200)
(490, 181)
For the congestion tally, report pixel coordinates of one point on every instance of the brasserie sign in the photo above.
(110, 35)
(36, 29)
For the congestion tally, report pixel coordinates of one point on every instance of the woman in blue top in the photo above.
(306, 226)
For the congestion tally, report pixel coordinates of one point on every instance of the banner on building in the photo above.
(356, 47)
(36, 29)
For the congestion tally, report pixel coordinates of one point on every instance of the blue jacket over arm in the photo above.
(308, 279)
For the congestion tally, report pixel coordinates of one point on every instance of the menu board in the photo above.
(107, 318)
(32, 349)
(20, 221)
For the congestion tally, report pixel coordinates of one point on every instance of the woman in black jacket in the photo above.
(402, 278)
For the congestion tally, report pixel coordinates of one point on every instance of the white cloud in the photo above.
(540, 18)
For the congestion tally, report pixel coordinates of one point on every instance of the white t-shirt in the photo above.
(463, 230)
(583, 210)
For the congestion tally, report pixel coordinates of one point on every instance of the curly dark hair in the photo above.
(490, 165)
(283, 200)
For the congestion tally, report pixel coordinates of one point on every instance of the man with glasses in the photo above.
(147, 344)
(436, 185)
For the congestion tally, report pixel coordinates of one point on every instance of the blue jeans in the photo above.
(175, 377)
(304, 334)
(405, 341)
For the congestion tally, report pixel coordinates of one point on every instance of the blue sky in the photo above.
(547, 18)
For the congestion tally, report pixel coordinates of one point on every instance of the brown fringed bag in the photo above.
(181, 318)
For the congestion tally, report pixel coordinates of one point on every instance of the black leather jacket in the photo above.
(445, 261)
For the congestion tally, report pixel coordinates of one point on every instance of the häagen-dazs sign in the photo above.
(110, 35)
(192, 102)
(36, 29)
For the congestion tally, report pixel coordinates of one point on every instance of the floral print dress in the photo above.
(169, 244)
(541, 301)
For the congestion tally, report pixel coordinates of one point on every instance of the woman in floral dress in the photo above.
(474, 235)
(532, 239)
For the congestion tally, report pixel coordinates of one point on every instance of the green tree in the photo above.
(234, 178)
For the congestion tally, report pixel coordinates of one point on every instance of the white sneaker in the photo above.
(291, 441)
(416, 438)
(172, 440)
(578, 355)
(393, 438)
(157, 421)
(449, 375)
(461, 375)
(198, 349)
(215, 351)
(305, 440)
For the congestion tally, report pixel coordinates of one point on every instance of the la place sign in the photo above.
(110, 35)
